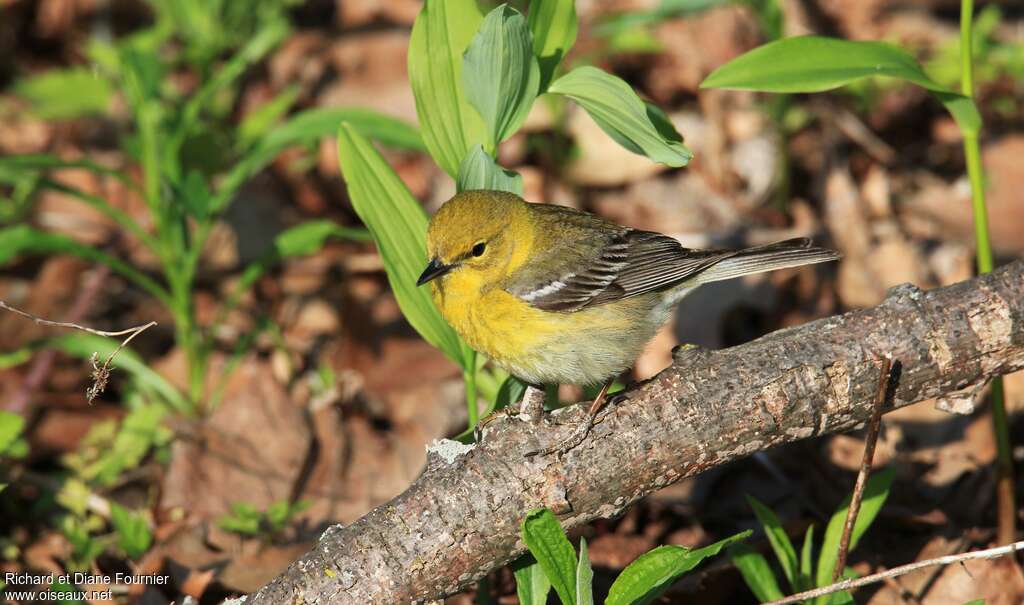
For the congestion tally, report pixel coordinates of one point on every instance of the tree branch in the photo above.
(461, 517)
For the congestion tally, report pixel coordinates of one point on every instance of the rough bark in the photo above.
(461, 517)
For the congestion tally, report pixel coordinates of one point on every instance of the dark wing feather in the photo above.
(630, 263)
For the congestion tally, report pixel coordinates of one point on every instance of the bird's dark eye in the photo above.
(478, 249)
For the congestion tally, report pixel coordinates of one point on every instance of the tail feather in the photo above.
(780, 255)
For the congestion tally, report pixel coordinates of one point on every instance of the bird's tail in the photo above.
(780, 255)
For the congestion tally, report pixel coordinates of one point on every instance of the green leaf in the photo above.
(440, 35)
(51, 162)
(62, 94)
(816, 64)
(584, 577)
(260, 120)
(653, 572)
(553, 25)
(756, 572)
(133, 535)
(806, 554)
(500, 75)
(532, 585)
(313, 124)
(509, 393)
(10, 359)
(637, 126)
(307, 128)
(543, 535)
(875, 492)
(22, 239)
(480, 171)
(780, 542)
(11, 426)
(399, 227)
(139, 432)
(243, 519)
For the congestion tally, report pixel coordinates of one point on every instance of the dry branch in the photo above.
(460, 518)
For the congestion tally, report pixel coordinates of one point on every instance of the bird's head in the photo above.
(473, 235)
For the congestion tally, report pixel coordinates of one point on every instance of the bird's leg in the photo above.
(584, 430)
(531, 407)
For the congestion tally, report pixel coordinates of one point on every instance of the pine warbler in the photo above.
(559, 296)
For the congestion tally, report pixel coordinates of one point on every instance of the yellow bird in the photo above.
(559, 296)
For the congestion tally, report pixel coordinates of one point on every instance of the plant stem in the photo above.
(1005, 497)
(469, 377)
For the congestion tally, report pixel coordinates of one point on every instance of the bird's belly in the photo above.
(543, 347)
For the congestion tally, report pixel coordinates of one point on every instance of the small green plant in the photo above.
(800, 573)
(247, 520)
(552, 563)
(193, 160)
(475, 79)
(11, 443)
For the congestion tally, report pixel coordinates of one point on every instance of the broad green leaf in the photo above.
(817, 63)
(544, 537)
(976, 602)
(500, 75)
(22, 239)
(308, 127)
(756, 572)
(532, 585)
(637, 126)
(584, 577)
(553, 25)
(11, 426)
(806, 555)
(399, 226)
(875, 492)
(133, 535)
(780, 542)
(653, 572)
(449, 124)
(313, 124)
(480, 171)
(62, 94)
(84, 345)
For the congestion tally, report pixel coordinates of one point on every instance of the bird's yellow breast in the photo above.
(543, 347)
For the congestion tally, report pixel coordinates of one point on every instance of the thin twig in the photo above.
(990, 553)
(43, 363)
(100, 372)
(870, 441)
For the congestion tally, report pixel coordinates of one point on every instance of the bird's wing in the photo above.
(625, 264)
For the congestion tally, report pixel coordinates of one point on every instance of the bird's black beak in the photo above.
(434, 270)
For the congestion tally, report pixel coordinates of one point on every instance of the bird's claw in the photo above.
(505, 412)
(567, 444)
